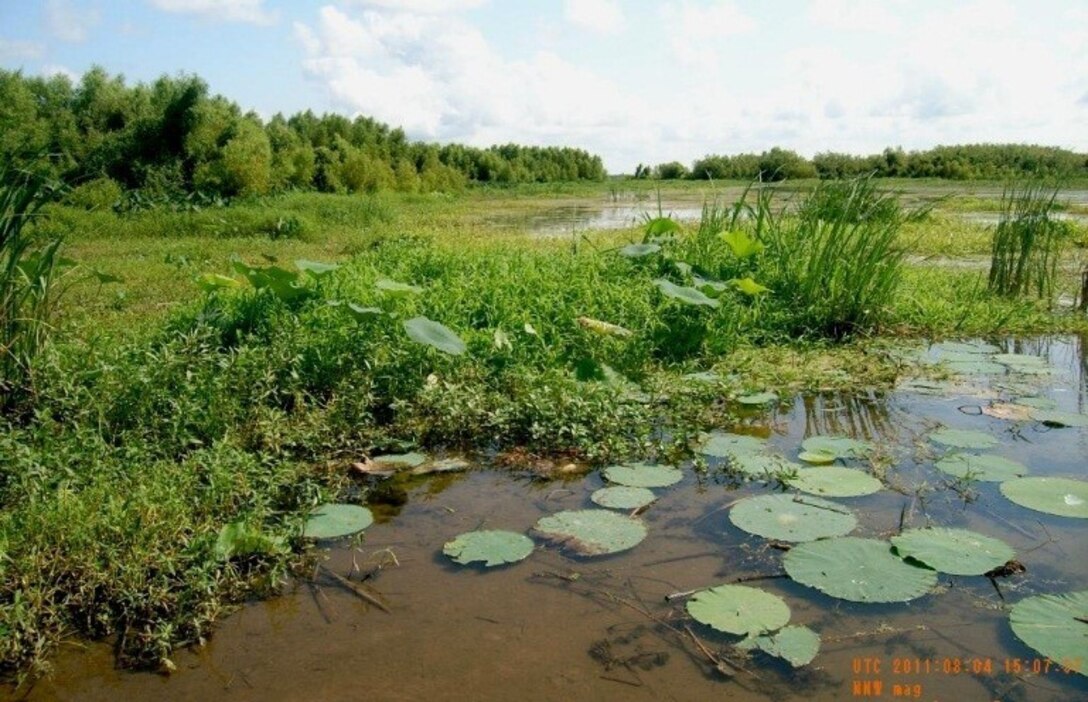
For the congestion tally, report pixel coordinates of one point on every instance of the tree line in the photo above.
(173, 137)
(965, 162)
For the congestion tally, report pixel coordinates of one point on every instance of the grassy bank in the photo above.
(166, 410)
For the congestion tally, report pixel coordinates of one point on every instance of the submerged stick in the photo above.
(357, 590)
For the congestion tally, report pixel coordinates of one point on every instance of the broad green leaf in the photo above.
(963, 438)
(986, 467)
(738, 609)
(592, 532)
(237, 539)
(741, 244)
(981, 367)
(953, 551)
(749, 286)
(426, 331)
(492, 548)
(965, 347)
(333, 520)
(1054, 418)
(1061, 496)
(834, 481)
(1054, 625)
(315, 268)
(837, 446)
(858, 570)
(797, 645)
(762, 465)
(639, 250)
(643, 475)
(725, 445)
(623, 497)
(689, 296)
(792, 517)
(214, 281)
(758, 398)
(360, 313)
(394, 288)
(660, 226)
(818, 458)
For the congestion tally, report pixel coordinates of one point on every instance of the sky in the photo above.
(635, 81)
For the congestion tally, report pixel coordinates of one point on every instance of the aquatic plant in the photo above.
(1027, 243)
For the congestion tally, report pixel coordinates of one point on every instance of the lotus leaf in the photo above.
(953, 551)
(661, 226)
(975, 367)
(797, 645)
(1054, 625)
(493, 548)
(858, 570)
(722, 445)
(592, 532)
(689, 296)
(987, 467)
(742, 244)
(963, 438)
(749, 286)
(1061, 496)
(837, 446)
(333, 520)
(623, 497)
(818, 458)
(792, 517)
(965, 347)
(394, 288)
(643, 475)
(834, 481)
(425, 331)
(1020, 359)
(737, 609)
(758, 398)
(762, 465)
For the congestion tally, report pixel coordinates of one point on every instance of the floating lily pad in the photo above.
(797, 645)
(838, 446)
(963, 438)
(492, 548)
(1054, 626)
(737, 609)
(592, 532)
(639, 250)
(727, 445)
(792, 517)
(400, 460)
(689, 296)
(965, 347)
(953, 551)
(623, 497)
(834, 481)
(1054, 418)
(762, 465)
(643, 475)
(858, 570)
(926, 387)
(1061, 496)
(427, 331)
(987, 467)
(758, 398)
(333, 520)
(818, 458)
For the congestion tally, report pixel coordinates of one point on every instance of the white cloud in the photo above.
(600, 16)
(856, 15)
(52, 69)
(695, 28)
(430, 7)
(250, 11)
(18, 49)
(67, 22)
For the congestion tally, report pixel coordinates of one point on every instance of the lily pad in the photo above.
(592, 532)
(1020, 359)
(722, 445)
(689, 296)
(986, 467)
(953, 551)
(963, 438)
(834, 481)
(639, 250)
(426, 331)
(1054, 626)
(965, 347)
(333, 520)
(858, 570)
(762, 465)
(643, 475)
(758, 398)
(837, 446)
(492, 548)
(623, 497)
(797, 645)
(1054, 418)
(1061, 496)
(817, 458)
(737, 609)
(792, 517)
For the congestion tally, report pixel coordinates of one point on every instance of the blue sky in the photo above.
(635, 81)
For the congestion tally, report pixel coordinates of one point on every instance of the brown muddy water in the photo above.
(560, 627)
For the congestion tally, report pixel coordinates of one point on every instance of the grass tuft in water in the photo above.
(1027, 242)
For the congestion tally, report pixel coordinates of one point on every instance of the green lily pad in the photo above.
(762, 465)
(834, 481)
(1043, 403)
(623, 497)
(1054, 418)
(737, 609)
(592, 532)
(639, 250)
(963, 438)
(858, 570)
(965, 347)
(492, 548)
(689, 296)
(426, 331)
(797, 645)
(792, 517)
(758, 398)
(987, 467)
(1061, 496)
(953, 551)
(817, 458)
(837, 446)
(1054, 626)
(643, 475)
(333, 520)
(722, 445)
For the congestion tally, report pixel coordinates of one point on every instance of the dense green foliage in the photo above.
(1027, 242)
(172, 138)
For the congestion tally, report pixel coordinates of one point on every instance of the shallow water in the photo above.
(527, 632)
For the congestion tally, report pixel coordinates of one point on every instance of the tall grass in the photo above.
(29, 271)
(1027, 242)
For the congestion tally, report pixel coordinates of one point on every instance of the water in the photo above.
(529, 632)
